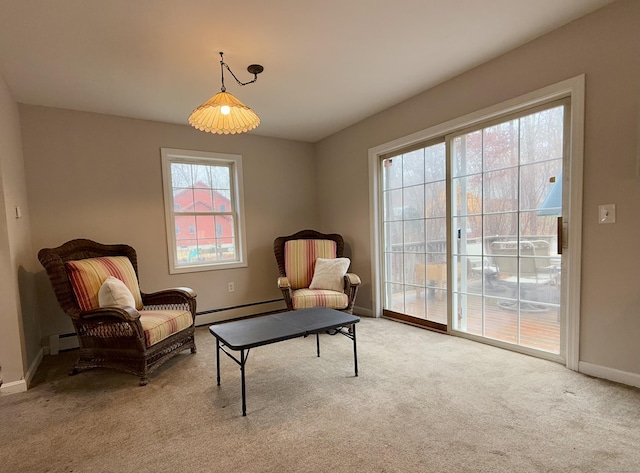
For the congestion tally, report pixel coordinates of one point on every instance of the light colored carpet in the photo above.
(424, 402)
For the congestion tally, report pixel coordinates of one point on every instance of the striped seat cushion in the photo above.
(307, 298)
(300, 258)
(87, 276)
(159, 324)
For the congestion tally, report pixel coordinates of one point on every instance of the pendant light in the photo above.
(223, 113)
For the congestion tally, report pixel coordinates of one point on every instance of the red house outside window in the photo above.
(204, 221)
(213, 236)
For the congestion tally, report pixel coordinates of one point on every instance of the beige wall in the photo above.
(605, 46)
(99, 177)
(19, 331)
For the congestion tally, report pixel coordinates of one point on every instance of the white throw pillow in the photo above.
(115, 292)
(329, 274)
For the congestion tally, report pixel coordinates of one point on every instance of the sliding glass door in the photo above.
(476, 250)
(505, 200)
(414, 195)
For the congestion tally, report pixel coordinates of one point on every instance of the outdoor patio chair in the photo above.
(524, 269)
(117, 325)
(313, 271)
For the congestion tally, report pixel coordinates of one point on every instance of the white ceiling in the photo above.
(328, 63)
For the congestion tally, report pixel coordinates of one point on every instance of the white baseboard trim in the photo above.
(13, 387)
(624, 377)
(21, 385)
(31, 372)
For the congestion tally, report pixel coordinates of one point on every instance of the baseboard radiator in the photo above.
(67, 341)
(62, 341)
(222, 314)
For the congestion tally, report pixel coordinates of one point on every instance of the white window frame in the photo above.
(234, 162)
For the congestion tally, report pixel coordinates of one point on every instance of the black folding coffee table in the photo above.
(242, 335)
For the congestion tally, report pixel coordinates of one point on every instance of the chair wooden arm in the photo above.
(352, 279)
(351, 284)
(283, 282)
(285, 287)
(108, 322)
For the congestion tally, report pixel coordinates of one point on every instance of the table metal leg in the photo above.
(355, 351)
(244, 398)
(218, 361)
(318, 343)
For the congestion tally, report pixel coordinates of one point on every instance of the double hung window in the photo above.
(203, 209)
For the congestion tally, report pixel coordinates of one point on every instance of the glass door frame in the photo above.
(574, 89)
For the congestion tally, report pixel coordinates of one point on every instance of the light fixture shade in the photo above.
(209, 117)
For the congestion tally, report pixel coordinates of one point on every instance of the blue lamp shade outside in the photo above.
(552, 204)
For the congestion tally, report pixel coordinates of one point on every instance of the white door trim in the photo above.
(573, 88)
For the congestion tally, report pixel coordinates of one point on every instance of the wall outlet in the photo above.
(231, 287)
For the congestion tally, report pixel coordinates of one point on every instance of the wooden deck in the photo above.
(538, 329)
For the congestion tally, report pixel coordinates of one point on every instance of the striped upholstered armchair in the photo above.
(313, 271)
(117, 325)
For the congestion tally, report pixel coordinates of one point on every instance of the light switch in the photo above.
(607, 213)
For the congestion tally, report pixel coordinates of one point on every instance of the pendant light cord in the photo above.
(222, 71)
(222, 63)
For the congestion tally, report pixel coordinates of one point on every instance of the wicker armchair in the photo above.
(135, 340)
(296, 256)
